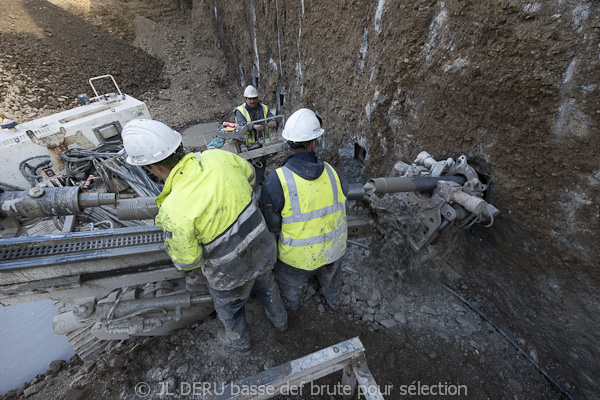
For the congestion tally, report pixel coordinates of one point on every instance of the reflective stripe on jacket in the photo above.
(209, 218)
(242, 109)
(313, 226)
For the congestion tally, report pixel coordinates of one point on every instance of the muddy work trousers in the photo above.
(292, 283)
(230, 307)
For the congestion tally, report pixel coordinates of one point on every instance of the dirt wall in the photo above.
(511, 84)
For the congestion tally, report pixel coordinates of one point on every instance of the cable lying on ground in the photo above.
(510, 340)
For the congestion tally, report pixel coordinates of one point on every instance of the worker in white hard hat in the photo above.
(304, 204)
(212, 223)
(253, 110)
(248, 112)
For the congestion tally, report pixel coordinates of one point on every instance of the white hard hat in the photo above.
(147, 141)
(302, 126)
(250, 92)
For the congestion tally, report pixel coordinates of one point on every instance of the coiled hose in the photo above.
(79, 163)
(29, 172)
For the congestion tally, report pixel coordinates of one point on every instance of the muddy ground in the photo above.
(414, 331)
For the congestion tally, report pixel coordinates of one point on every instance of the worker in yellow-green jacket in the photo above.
(211, 221)
(304, 204)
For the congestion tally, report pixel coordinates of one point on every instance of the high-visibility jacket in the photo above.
(210, 219)
(242, 109)
(313, 226)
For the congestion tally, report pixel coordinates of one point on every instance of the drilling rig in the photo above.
(103, 263)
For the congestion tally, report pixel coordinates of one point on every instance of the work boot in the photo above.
(222, 335)
(282, 328)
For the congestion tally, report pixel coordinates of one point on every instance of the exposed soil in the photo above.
(49, 54)
(413, 330)
(44, 68)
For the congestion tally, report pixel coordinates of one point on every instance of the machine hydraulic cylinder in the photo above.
(42, 202)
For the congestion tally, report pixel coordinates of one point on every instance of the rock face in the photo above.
(512, 85)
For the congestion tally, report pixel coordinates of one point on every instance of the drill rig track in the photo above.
(32, 266)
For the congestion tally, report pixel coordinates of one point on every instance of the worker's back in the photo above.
(207, 204)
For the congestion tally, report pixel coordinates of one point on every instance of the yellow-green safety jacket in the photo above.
(210, 219)
(313, 227)
(242, 109)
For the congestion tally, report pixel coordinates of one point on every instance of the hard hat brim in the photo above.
(131, 161)
(286, 135)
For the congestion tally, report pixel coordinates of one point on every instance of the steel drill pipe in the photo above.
(405, 184)
(137, 208)
(94, 199)
(356, 191)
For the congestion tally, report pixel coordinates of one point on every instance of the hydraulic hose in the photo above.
(29, 172)
(8, 187)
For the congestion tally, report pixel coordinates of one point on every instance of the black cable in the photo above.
(137, 179)
(511, 341)
(79, 163)
(29, 172)
(9, 188)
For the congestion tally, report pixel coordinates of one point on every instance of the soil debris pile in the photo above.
(43, 72)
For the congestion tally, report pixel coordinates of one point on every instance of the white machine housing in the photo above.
(85, 126)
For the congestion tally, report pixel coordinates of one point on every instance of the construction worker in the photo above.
(245, 114)
(254, 110)
(304, 204)
(211, 221)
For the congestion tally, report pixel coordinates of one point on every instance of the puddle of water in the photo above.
(28, 343)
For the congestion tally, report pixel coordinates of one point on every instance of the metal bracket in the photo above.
(461, 167)
(347, 356)
(101, 77)
(107, 131)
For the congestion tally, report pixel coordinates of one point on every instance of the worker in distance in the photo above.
(253, 114)
(253, 110)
